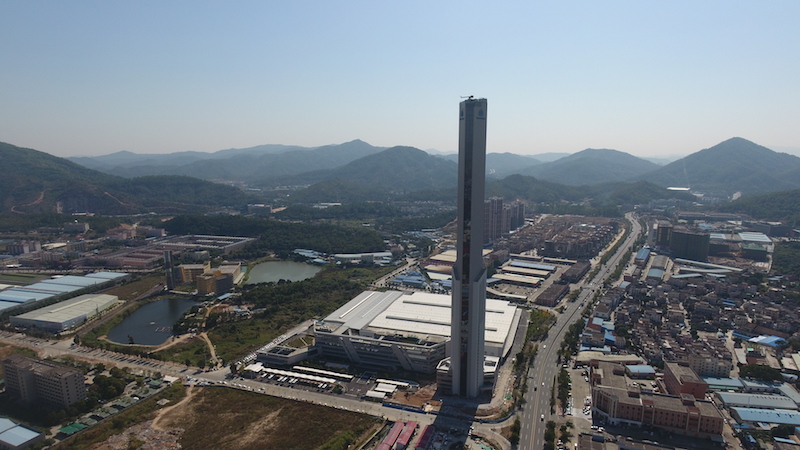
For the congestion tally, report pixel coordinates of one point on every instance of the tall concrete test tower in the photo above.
(468, 321)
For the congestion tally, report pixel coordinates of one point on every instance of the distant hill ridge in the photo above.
(395, 169)
(32, 181)
(592, 166)
(730, 166)
(735, 165)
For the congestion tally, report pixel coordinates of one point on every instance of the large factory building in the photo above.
(406, 331)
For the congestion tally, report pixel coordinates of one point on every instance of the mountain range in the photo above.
(735, 165)
(32, 182)
(357, 171)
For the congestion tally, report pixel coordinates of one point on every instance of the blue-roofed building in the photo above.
(723, 384)
(755, 237)
(642, 256)
(785, 441)
(530, 265)
(72, 280)
(412, 278)
(107, 275)
(654, 276)
(5, 305)
(756, 415)
(310, 254)
(15, 436)
(682, 276)
(761, 401)
(54, 287)
(15, 297)
(606, 350)
(771, 341)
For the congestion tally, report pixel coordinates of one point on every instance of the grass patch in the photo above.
(283, 305)
(246, 420)
(194, 352)
(301, 342)
(20, 278)
(234, 340)
(141, 412)
(132, 290)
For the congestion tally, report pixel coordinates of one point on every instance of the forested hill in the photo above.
(34, 182)
(592, 166)
(249, 165)
(735, 165)
(396, 169)
(281, 237)
(778, 206)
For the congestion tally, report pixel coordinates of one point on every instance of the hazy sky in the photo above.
(647, 78)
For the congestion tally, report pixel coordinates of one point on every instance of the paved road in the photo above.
(541, 376)
(53, 348)
(537, 401)
(384, 280)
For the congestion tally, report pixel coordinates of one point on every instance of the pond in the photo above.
(152, 323)
(281, 270)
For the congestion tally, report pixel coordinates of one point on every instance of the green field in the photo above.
(21, 278)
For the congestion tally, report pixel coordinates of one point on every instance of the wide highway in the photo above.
(542, 374)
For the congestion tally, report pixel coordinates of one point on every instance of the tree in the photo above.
(515, 429)
(760, 372)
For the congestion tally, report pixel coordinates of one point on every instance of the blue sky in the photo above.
(647, 78)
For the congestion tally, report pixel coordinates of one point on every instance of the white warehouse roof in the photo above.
(418, 313)
(64, 314)
(762, 401)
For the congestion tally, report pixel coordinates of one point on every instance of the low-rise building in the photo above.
(14, 436)
(681, 379)
(617, 399)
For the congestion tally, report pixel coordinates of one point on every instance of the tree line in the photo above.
(277, 236)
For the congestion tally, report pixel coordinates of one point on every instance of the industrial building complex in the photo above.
(407, 331)
(67, 314)
(54, 287)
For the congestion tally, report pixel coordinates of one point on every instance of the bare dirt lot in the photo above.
(216, 417)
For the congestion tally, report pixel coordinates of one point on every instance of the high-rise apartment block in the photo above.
(169, 269)
(501, 218)
(469, 273)
(24, 247)
(32, 381)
